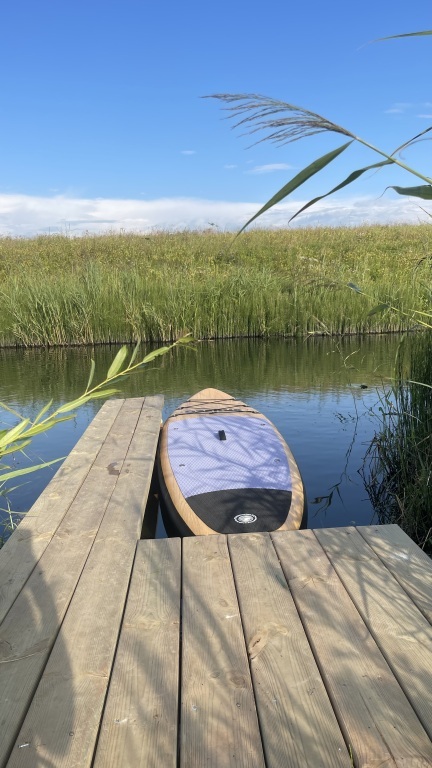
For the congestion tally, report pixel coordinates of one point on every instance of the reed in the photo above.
(117, 288)
(398, 468)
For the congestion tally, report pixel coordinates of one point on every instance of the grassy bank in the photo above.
(116, 288)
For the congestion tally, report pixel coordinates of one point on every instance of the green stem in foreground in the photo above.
(285, 123)
(394, 160)
(412, 313)
(19, 437)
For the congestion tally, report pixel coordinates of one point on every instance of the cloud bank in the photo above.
(270, 168)
(26, 216)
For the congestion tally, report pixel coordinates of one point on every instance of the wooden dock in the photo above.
(294, 649)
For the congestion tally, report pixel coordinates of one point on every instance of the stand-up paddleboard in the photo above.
(224, 468)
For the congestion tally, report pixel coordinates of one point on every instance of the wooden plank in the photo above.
(30, 627)
(63, 720)
(298, 725)
(218, 722)
(410, 566)
(139, 726)
(376, 718)
(402, 633)
(22, 551)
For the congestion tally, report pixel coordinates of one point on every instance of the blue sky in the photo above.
(102, 124)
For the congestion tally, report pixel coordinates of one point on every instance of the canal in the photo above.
(323, 394)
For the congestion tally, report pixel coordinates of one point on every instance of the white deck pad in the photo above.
(252, 456)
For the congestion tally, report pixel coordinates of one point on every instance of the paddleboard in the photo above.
(224, 468)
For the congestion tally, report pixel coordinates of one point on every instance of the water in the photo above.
(322, 394)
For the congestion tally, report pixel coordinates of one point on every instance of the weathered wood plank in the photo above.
(139, 726)
(63, 720)
(219, 726)
(31, 626)
(377, 720)
(29, 629)
(402, 633)
(410, 566)
(298, 725)
(22, 551)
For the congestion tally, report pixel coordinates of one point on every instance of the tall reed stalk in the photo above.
(121, 288)
(398, 469)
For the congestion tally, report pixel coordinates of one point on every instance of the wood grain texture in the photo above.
(61, 725)
(29, 629)
(211, 398)
(410, 566)
(401, 632)
(24, 548)
(298, 725)
(139, 726)
(219, 726)
(376, 718)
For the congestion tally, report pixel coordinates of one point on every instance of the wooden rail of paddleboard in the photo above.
(217, 402)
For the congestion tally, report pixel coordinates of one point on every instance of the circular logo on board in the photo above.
(245, 518)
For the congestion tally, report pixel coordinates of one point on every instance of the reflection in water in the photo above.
(319, 392)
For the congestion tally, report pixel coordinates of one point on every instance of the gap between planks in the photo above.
(376, 718)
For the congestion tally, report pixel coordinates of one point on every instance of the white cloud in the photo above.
(188, 152)
(230, 166)
(401, 107)
(270, 168)
(25, 216)
(428, 117)
(398, 108)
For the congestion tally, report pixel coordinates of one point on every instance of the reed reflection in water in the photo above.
(319, 392)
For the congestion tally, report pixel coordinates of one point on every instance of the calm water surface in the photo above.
(322, 394)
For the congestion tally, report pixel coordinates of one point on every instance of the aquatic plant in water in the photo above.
(398, 465)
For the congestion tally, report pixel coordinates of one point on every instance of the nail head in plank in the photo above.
(219, 726)
(139, 726)
(374, 713)
(298, 725)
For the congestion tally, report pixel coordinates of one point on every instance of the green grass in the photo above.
(398, 470)
(57, 290)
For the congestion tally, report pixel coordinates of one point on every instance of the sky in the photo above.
(103, 124)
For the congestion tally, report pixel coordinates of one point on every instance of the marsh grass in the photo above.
(57, 290)
(398, 468)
